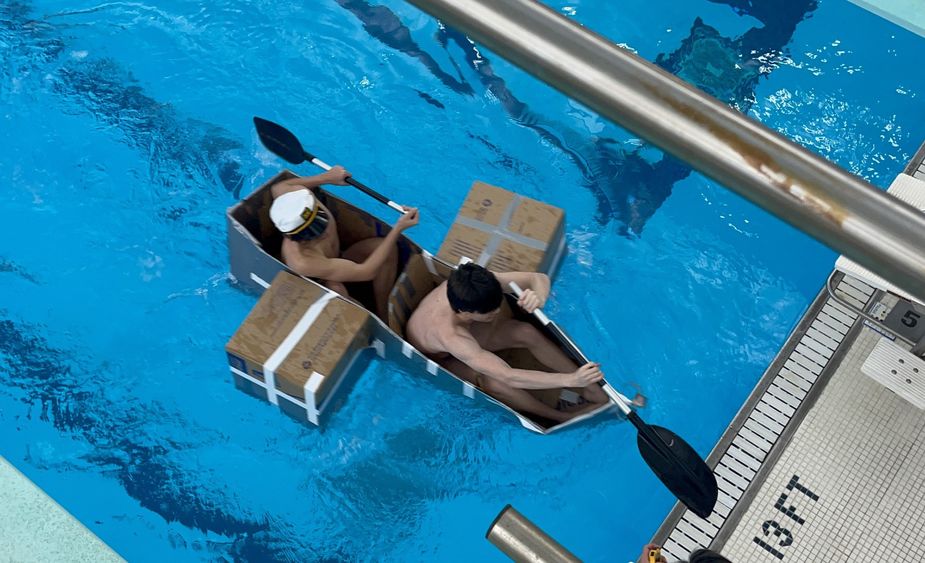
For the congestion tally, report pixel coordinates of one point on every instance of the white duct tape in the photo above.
(468, 390)
(432, 367)
(282, 351)
(311, 396)
(429, 262)
(379, 347)
(256, 381)
(259, 281)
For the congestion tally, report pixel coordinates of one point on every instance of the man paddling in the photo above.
(311, 246)
(457, 325)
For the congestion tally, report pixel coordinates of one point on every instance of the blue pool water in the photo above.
(126, 133)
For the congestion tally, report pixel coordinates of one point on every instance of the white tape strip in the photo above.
(429, 262)
(318, 162)
(468, 390)
(432, 367)
(406, 349)
(260, 281)
(498, 233)
(379, 347)
(298, 331)
(311, 396)
(256, 381)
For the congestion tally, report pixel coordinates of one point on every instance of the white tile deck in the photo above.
(856, 464)
(823, 462)
(740, 455)
(33, 527)
(906, 13)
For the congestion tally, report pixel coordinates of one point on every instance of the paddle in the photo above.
(672, 459)
(281, 142)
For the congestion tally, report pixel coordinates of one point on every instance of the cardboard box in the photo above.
(506, 232)
(297, 346)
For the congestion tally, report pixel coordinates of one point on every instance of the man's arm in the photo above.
(336, 175)
(342, 270)
(465, 349)
(535, 285)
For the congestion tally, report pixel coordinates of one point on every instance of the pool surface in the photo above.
(127, 133)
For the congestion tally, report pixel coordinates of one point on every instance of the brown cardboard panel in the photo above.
(486, 203)
(353, 224)
(322, 347)
(273, 317)
(536, 220)
(515, 257)
(528, 218)
(463, 241)
(341, 329)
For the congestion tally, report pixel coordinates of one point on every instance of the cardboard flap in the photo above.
(505, 232)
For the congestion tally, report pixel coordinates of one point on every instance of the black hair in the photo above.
(473, 289)
(707, 556)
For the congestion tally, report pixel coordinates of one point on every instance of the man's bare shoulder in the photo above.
(303, 258)
(285, 186)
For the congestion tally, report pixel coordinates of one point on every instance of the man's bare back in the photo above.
(465, 342)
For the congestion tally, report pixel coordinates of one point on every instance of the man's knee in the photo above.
(595, 393)
(525, 335)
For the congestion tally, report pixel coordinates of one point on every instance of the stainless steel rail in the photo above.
(522, 541)
(839, 209)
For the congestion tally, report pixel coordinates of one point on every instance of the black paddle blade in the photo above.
(679, 467)
(279, 141)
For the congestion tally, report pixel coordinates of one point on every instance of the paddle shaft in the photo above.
(362, 187)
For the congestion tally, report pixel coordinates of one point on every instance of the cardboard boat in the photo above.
(303, 345)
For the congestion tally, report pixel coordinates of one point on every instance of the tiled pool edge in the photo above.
(682, 531)
(900, 13)
(679, 525)
(33, 527)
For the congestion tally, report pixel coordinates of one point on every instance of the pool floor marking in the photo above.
(766, 417)
(292, 339)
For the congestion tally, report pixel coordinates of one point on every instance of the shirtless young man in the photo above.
(454, 325)
(311, 246)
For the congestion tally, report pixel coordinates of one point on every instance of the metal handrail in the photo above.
(874, 229)
(860, 311)
(523, 541)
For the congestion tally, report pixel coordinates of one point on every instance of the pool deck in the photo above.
(822, 462)
(33, 527)
(909, 14)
